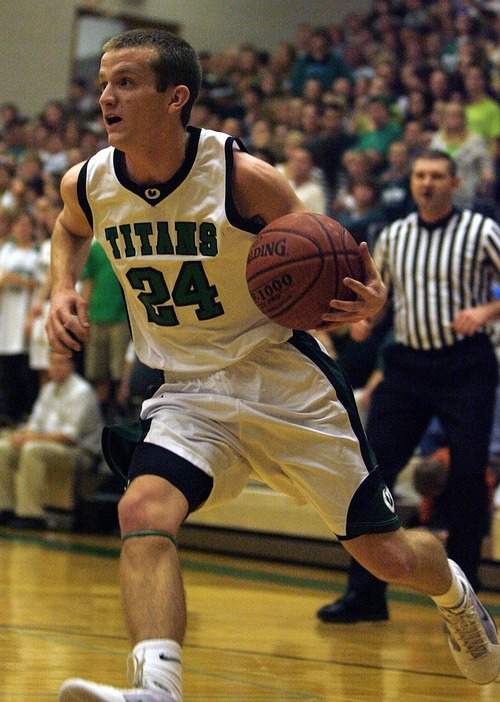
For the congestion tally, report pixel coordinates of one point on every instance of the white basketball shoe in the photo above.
(472, 635)
(78, 690)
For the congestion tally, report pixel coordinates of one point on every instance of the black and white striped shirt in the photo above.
(432, 274)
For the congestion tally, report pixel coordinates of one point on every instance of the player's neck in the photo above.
(156, 163)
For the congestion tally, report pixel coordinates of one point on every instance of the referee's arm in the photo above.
(471, 320)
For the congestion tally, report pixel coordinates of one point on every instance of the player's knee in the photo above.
(142, 509)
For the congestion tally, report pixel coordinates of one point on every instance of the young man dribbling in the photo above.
(176, 210)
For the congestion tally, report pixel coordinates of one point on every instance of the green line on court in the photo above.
(249, 574)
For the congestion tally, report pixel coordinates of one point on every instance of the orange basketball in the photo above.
(297, 264)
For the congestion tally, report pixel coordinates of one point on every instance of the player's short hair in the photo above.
(175, 63)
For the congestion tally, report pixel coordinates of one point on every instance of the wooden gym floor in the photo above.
(252, 631)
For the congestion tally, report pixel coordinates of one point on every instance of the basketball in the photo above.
(296, 266)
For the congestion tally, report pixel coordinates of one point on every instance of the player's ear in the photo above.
(179, 96)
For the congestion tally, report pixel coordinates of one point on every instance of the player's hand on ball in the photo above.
(370, 296)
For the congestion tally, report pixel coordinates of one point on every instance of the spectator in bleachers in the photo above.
(482, 111)
(414, 138)
(395, 196)
(299, 169)
(356, 168)
(328, 147)
(18, 261)
(365, 218)
(9, 112)
(470, 153)
(39, 352)
(53, 116)
(375, 143)
(13, 137)
(310, 120)
(7, 172)
(109, 333)
(38, 460)
(440, 85)
(319, 62)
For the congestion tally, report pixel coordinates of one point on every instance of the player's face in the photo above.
(133, 110)
(433, 186)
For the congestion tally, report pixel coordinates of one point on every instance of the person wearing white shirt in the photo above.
(306, 187)
(37, 461)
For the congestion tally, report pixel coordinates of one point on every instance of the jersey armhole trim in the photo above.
(233, 216)
(81, 189)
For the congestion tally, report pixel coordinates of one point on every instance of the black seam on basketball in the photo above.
(334, 254)
(345, 253)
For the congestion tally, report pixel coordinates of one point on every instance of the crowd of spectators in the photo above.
(341, 109)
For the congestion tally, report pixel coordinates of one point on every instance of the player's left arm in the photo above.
(259, 190)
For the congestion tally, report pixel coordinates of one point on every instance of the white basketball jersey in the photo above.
(179, 250)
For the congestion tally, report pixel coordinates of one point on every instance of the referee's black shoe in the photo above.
(354, 607)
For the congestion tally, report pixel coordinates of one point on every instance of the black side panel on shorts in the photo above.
(372, 506)
(307, 344)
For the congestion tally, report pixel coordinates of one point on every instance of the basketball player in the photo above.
(176, 209)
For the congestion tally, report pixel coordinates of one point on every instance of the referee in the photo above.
(439, 265)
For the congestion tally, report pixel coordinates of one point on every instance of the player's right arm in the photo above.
(70, 244)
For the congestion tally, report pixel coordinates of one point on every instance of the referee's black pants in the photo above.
(457, 384)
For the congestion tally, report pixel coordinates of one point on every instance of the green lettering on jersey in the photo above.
(186, 245)
(208, 239)
(126, 232)
(111, 234)
(164, 244)
(144, 231)
(193, 288)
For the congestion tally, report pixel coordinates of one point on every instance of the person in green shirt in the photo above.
(482, 111)
(109, 330)
(386, 129)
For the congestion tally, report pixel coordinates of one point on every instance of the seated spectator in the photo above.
(482, 111)
(471, 155)
(37, 461)
(109, 333)
(310, 120)
(330, 145)
(414, 138)
(356, 168)
(292, 139)
(18, 262)
(375, 143)
(5, 225)
(300, 168)
(7, 172)
(395, 196)
(319, 62)
(366, 218)
(39, 350)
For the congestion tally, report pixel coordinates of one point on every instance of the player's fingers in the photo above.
(76, 327)
(359, 288)
(57, 344)
(81, 313)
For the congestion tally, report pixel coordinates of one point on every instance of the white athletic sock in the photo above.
(159, 665)
(454, 597)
